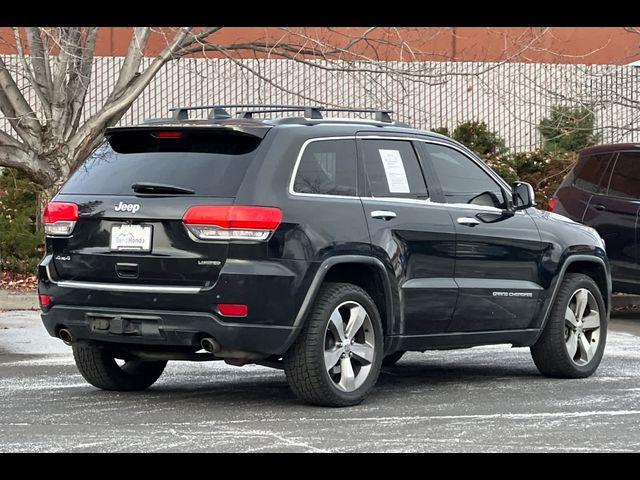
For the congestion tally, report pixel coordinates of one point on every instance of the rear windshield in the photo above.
(211, 167)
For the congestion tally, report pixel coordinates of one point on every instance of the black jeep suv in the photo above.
(323, 246)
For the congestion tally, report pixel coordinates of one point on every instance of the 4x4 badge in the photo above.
(127, 207)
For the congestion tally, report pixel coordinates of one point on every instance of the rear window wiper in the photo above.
(149, 187)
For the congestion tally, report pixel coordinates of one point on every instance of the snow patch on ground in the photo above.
(488, 399)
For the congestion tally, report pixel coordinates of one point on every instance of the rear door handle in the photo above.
(383, 214)
(468, 221)
(599, 206)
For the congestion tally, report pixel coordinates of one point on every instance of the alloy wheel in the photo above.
(582, 327)
(349, 346)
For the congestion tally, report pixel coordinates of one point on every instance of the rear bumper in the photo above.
(135, 327)
(168, 316)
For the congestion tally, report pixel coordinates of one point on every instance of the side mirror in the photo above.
(523, 195)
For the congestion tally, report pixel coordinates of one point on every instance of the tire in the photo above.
(552, 352)
(391, 360)
(98, 367)
(357, 363)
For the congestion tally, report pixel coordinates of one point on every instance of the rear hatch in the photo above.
(132, 195)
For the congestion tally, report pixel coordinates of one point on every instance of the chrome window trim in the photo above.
(297, 166)
(469, 154)
(382, 137)
(464, 151)
(413, 201)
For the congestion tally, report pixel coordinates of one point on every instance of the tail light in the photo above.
(552, 204)
(60, 218)
(232, 222)
(169, 134)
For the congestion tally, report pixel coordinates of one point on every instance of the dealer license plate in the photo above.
(125, 237)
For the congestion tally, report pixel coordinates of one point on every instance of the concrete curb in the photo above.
(11, 300)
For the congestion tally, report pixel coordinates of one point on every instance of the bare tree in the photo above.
(49, 137)
(49, 140)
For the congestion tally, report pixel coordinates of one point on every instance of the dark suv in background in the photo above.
(603, 191)
(323, 246)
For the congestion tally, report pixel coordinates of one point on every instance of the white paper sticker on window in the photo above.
(394, 170)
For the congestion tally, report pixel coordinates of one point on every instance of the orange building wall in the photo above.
(604, 45)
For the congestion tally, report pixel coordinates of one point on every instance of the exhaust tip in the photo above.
(65, 336)
(210, 345)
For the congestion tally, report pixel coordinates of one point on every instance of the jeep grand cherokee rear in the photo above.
(325, 247)
(146, 247)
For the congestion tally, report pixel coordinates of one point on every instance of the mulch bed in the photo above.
(18, 282)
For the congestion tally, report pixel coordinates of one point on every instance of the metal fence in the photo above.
(511, 98)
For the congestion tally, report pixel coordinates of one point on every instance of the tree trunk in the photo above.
(44, 196)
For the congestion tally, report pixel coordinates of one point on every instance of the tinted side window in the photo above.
(393, 169)
(462, 180)
(327, 167)
(591, 173)
(625, 181)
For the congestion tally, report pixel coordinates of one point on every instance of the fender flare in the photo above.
(563, 270)
(316, 283)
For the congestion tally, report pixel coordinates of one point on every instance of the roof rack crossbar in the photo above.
(218, 112)
(379, 114)
(309, 112)
(316, 112)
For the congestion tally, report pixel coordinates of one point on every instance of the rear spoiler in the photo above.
(167, 137)
(230, 126)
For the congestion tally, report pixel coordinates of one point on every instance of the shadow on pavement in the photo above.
(270, 389)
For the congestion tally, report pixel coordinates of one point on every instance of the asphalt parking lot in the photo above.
(485, 399)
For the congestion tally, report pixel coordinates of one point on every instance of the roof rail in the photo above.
(219, 112)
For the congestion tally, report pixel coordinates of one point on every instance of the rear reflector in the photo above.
(233, 309)
(44, 300)
(552, 204)
(60, 218)
(232, 222)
